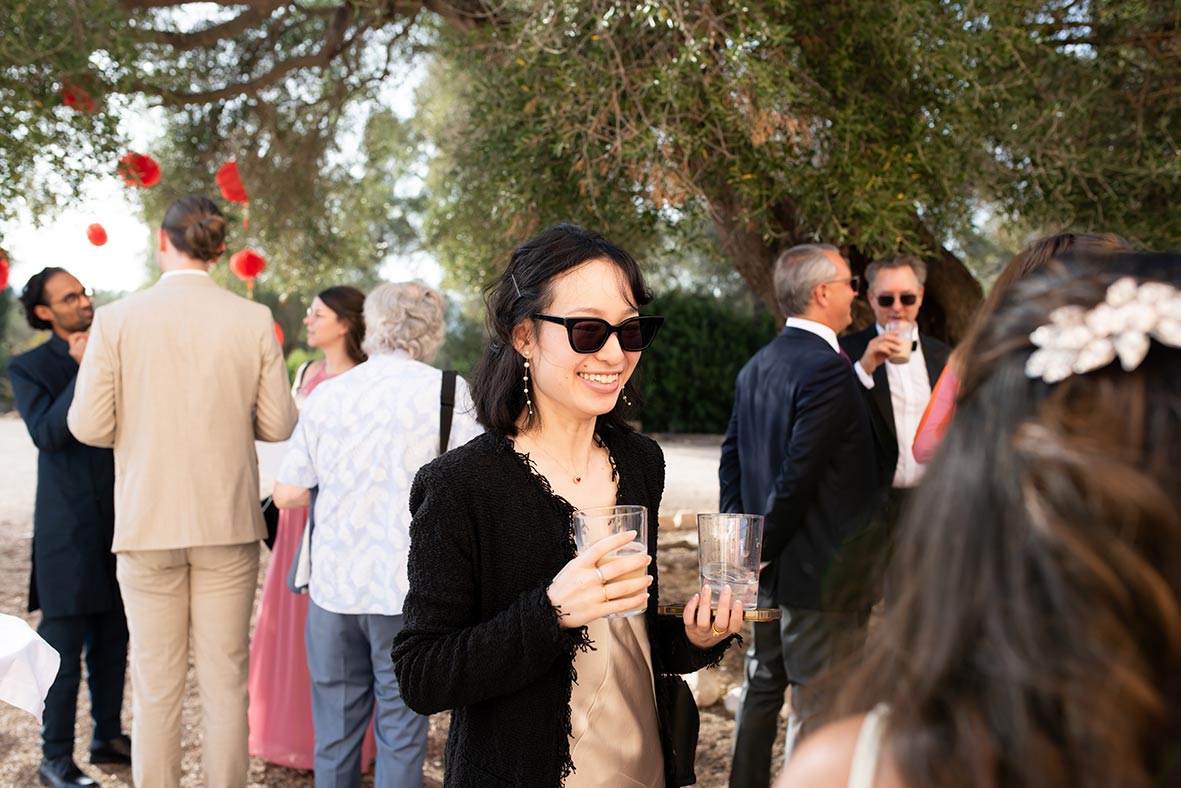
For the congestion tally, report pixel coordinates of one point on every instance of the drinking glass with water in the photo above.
(728, 551)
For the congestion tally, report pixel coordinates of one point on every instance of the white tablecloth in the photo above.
(28, 666)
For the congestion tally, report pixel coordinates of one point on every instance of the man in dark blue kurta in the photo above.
(73, 578)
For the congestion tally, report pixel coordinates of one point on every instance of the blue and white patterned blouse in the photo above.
(362, 436)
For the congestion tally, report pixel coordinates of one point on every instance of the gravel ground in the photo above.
(691, 487)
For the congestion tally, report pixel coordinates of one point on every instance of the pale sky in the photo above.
(117, 265)
(125, 261)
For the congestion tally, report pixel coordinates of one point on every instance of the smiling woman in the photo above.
(501, 613)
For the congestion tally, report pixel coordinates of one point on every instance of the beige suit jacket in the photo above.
(180, 379)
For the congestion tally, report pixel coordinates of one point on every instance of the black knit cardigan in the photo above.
(479, 635)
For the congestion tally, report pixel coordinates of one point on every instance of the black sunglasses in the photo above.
(854, 282)
(589, 334)
(907, 299)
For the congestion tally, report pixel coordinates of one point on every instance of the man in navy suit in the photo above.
(799, 450)
(73, 578)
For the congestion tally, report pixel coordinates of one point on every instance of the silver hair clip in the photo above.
(1078, 340)
(512, 277)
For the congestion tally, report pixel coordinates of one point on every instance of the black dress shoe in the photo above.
(116, 750)
(61, 773)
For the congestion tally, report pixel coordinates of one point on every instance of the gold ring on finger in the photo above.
(605, 597)
(714, 630)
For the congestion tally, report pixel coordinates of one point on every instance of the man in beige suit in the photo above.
(181, 379)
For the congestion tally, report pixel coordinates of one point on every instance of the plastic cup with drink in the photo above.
(591, 525)
(905, 331)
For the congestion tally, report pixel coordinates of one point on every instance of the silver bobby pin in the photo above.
(512, 277)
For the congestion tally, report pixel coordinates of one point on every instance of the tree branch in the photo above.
(199, 39)
(136, 5)
(335, 42)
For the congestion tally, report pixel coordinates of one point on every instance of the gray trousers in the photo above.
(789, 651)
(351, 670)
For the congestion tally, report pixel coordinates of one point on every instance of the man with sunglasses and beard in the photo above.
(898, 390)
(73, 575)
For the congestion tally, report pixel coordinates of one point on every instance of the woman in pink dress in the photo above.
(280, 691)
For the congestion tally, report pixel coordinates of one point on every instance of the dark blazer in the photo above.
(74, 519)
(799, 449)
(479, 634)
(885, 434)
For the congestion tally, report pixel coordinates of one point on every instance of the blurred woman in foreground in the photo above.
(1036, 639)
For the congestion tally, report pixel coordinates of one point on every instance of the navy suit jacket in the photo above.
(885, 433)
(799, 450)
(74, 519)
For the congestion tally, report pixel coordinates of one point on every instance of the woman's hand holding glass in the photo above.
(704, 632)
(585, 590)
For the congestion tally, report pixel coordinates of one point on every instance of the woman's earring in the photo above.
(626, 401)
(525, 377)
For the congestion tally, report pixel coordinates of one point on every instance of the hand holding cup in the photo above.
(588, 588)
(705, 632)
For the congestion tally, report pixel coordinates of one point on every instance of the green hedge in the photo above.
(687, 376)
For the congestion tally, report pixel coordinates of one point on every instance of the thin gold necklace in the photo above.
(577, 477)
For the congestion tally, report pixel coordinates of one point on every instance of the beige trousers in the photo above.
(206, 593)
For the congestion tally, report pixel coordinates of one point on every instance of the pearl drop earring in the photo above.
(525, 377)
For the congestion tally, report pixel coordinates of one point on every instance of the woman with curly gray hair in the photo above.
(361, 438)
(406, 317)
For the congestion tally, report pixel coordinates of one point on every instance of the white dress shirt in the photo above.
(819, 329)
(910, 390)
(362, 436)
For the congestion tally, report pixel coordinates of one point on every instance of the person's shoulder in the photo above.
(485, 452)
(858, 339)
(929, 342)
(33, 357)
(633, 443)
(824, 759)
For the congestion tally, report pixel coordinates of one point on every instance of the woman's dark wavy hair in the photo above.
(33, 295)
(196, 228)
(1032, 259)
(1035, 634)
(523, 290)
(349, 305)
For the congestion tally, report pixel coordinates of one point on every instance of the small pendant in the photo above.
(577, 479)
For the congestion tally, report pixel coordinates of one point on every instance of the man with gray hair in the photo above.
(897, 367)
(360, 439)
(799, 450)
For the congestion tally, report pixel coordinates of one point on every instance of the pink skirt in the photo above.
(281, 729)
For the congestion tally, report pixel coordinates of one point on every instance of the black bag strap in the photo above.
(446, 408)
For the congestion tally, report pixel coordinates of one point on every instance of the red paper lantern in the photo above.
(247, 264)
(279, 333)
(96, 234)
(139, 169)
(230, 183)
(78, 98)
(3, 271)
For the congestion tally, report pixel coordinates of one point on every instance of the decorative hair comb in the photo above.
(1078, 340)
